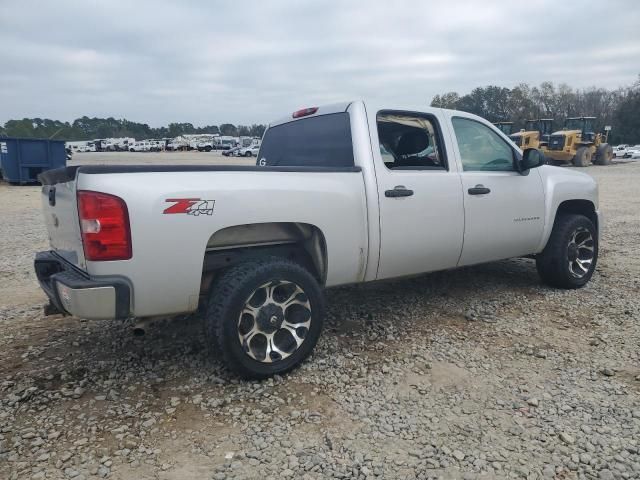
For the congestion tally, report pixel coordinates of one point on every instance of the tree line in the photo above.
(619, 108)
(86, 128)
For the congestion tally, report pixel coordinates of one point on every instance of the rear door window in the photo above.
(410, 141)
(322, 141)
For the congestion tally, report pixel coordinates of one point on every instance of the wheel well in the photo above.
(301, 242)
(580, 207)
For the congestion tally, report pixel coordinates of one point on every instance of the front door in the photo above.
(421, 209)
(504, 209)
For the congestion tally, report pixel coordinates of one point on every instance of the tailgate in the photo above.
(60, 209)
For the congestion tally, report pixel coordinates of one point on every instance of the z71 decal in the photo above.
(190, 206)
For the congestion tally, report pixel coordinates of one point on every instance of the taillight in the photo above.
(304, 112)
(104, 223)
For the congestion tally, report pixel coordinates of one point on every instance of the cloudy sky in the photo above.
(209, 62)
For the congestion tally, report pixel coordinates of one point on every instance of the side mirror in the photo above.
(531, 158)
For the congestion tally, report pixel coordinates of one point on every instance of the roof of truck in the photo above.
(316, 110)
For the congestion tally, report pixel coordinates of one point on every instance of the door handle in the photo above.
(479, 190)
(398, 191)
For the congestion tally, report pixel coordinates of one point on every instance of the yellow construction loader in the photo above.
(579, 144)
(535, 134)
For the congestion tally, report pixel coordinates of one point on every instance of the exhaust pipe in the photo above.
(141, 325)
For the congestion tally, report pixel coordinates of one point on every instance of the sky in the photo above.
(242, 62)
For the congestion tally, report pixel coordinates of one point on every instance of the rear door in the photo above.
(504, 209)
(419, 194)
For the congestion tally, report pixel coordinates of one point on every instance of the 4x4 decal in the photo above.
(190, 206)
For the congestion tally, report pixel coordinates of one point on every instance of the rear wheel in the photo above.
(555, 163)
(570, 256)
(265, 316)
(604, 154)
(247, 153)
(583, 157)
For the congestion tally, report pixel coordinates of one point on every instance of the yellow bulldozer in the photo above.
(579, 144)
(535, 134)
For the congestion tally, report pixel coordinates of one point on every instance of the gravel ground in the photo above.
(470, 374)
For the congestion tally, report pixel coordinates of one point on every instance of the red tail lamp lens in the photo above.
(104, 224)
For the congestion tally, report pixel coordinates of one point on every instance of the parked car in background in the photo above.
(79, 147)
(143, 146)
(226, 142)
(176, 145)
(621, 151)
(255, 245)
(206, 146)
(634, 152)
(156, 145)
(231, 152)
(251, 151)
(121, 144)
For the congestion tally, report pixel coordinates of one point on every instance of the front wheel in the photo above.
(583, 157)
(265, 316)
(604, 154)
(247, 154)
(569, 259)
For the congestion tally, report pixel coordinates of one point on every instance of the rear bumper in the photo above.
(76, 293)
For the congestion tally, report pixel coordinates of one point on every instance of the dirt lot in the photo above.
(475, 373)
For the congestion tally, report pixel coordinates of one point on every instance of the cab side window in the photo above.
(482, 149)
(409, 142)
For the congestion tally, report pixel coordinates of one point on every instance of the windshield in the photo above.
(505, 128)
(547, 127)
(573, 124)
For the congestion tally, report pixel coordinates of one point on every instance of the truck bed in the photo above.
(66, 174)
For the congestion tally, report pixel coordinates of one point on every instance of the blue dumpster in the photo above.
(22, 159)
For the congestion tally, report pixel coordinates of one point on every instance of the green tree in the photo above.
(257, 130)
(627, 119)
(447, 100)
(228, 129)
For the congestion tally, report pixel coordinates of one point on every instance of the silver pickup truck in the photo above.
(340, 194)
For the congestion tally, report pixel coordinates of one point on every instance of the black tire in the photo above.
(247, 153)
(232, 291)
(555, 163)
(553, 263)
(583, 157)
(604, 154)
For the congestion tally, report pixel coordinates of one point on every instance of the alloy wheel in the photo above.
(274, 321)
(580, 252)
